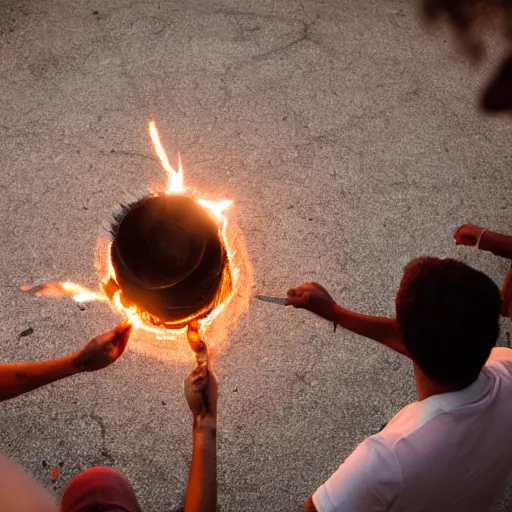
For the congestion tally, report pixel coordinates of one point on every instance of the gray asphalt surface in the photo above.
(349, 139)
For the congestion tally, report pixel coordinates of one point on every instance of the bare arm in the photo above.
(201, 391)
(201, 494)
(498, 244)
(19, 378)
(315, 298)
(486, 240)
(383, 330)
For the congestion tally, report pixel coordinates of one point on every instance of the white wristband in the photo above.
(479, 239)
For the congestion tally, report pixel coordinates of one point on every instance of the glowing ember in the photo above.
(133, 290)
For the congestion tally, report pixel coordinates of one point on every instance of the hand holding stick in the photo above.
(201, 392)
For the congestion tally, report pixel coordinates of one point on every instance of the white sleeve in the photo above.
(369, 480)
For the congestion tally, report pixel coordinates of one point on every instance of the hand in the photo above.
(314, 298)
(468, 234)
(104, 349)
(201, 392)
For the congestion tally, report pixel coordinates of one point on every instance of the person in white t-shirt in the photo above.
(452, 449)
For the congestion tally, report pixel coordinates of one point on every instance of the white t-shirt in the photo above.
(449, 452)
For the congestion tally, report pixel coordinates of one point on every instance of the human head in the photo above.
(448, 313)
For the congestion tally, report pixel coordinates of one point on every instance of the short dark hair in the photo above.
(449, 315)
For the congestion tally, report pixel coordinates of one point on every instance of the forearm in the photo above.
(201, 494)
(19, 378)
(383, 330)
(498, 244)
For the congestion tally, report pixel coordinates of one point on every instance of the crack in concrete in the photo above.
(304, 35)
(105, 453)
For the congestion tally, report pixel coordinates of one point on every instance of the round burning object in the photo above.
(169, 260)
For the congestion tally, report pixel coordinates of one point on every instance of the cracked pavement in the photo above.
(349, 139)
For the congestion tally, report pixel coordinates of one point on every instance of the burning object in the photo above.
(169, 260)
(169, 266)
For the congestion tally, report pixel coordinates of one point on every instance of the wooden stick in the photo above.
(196, 343)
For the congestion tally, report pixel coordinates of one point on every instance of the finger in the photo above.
(297, 290)
(290, 295)
(121, 336)
(198, 370)
(320, 287)
(199, 384)
(124, 328)
(116, 333)
(323, 289)
(194, 375)
(296, 299)
(197, 376)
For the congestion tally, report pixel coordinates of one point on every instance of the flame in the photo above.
(142, 320)
(67, 289)
(175, 178)
(111, 270)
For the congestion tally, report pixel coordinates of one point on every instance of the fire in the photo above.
(141, 319)
(67, 289)
(175, 178)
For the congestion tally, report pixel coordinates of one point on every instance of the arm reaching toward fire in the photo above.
(315, 298)
(484, 239)
(98, 353)
(201, 392)
(499, 245)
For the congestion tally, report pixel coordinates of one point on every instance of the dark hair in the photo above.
(449, 316)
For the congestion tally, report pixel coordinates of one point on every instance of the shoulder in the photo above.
(369, 479)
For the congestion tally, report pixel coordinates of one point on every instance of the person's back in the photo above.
(452, 451)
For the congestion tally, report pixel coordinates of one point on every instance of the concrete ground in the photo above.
(349, 139)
